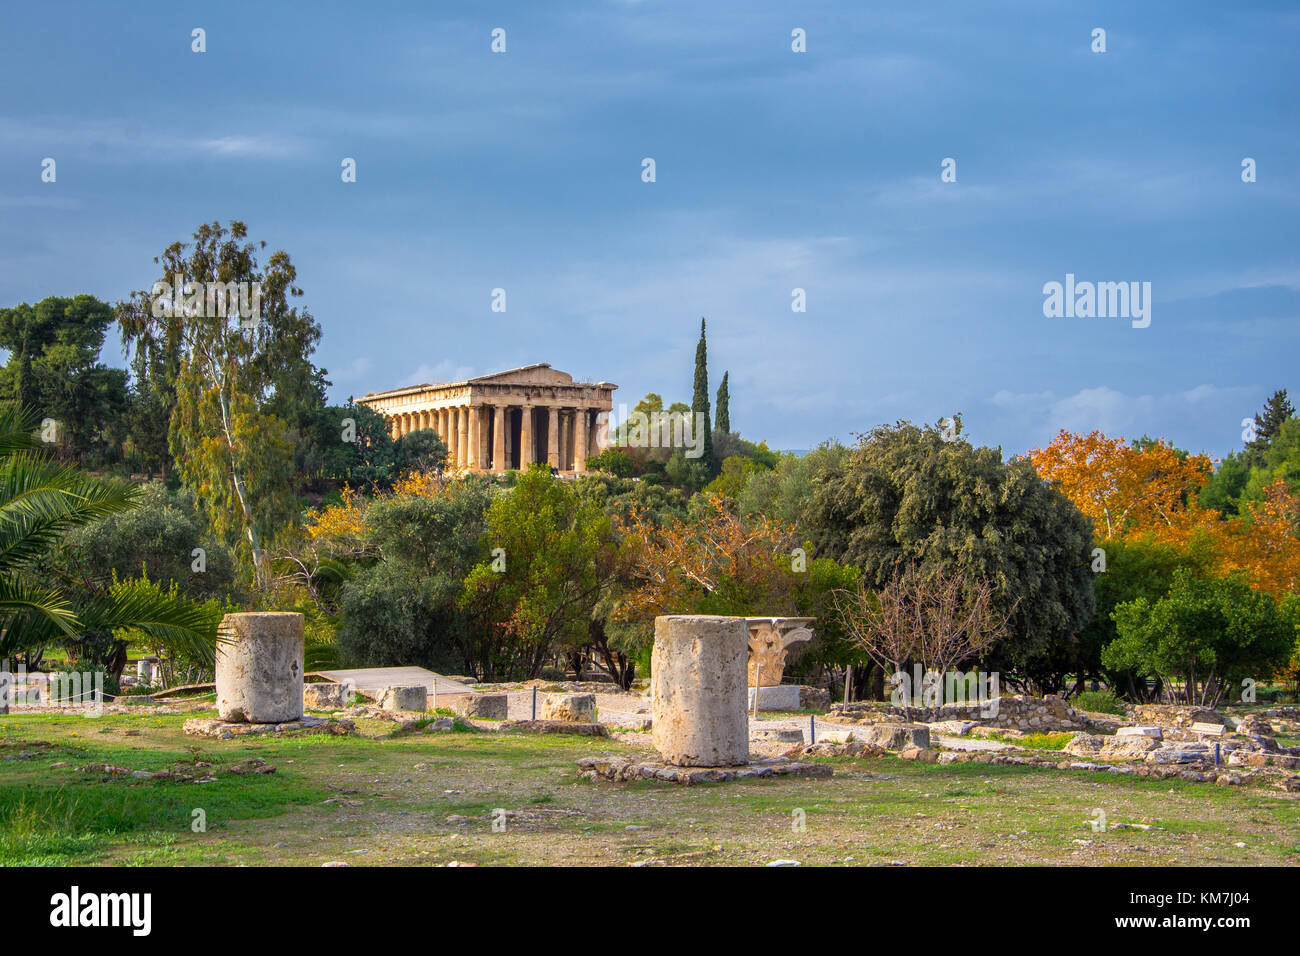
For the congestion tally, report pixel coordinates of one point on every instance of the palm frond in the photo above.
(40, 500)
(178, 625)
(17, 429)
(31, 617)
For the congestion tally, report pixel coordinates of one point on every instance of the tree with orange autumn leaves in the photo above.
(1123, 488)
(715, 563)
(1149, 489)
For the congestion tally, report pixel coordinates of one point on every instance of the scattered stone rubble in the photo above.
(226, 729)
(1186, 742)
(199, 771)
(851, 748)
(621, 769)
(1021, 712)
(1166, 741)
(581, 728)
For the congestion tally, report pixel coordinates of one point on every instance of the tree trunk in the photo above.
(877, 680)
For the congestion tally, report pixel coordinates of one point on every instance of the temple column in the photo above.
(473, 453)
(526, 451)
(580, 440)
(566, 439)
(510, 438)
(462, 436)
(499, 439)
(552, 436)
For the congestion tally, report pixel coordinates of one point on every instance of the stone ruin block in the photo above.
(409, 697)
(325, 696)
(697, 690)
(775, 642)
(573, 708)
(895, 736)
(259, 667)
(779, 697)
(482, 706)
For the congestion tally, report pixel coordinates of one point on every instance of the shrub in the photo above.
(1099, 702)
(390, 620)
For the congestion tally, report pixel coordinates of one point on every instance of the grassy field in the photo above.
(377, 799)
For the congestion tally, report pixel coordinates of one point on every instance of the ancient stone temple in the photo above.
(506, 420)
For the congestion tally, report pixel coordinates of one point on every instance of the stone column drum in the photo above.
(698, 690)
(259, 668)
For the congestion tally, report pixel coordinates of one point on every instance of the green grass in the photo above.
(62, 815)
(390, 796)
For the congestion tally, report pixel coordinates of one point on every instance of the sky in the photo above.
(775, 170)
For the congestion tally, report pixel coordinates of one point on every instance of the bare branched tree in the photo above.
(930, 616)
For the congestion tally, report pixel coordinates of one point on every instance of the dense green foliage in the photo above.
(54, 369)
(1207, 633)
(402, 609)
(543, 569)
(907, 496)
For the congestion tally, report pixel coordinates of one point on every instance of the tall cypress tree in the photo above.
(700, 403)
(724, 405)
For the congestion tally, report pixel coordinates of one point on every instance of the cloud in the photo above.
(40, 202)
(124, 140)
(444, 371)
(1120, 414)
(359, 368)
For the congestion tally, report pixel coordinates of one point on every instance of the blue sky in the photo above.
(775, 170)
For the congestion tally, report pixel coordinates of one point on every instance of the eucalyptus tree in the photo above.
(237, 354)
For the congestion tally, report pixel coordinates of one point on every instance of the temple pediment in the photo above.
(539, 374)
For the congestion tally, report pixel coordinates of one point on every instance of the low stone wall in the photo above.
(1017, 712)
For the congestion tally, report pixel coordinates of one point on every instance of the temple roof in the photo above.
(539, 373)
